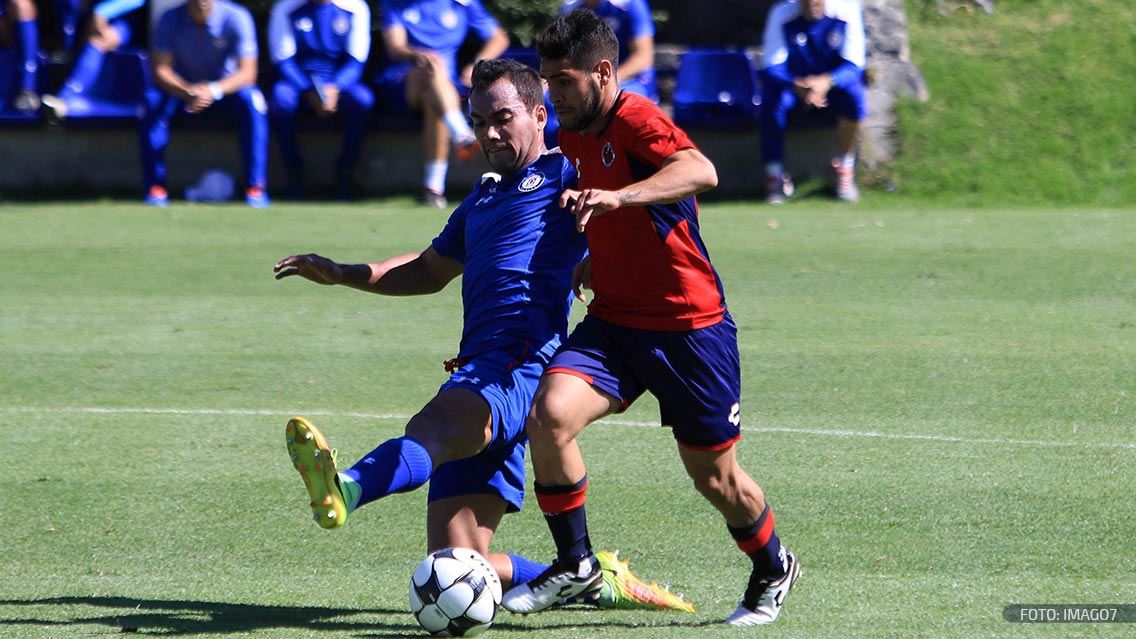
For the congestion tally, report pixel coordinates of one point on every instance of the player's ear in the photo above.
(606, 71)
(540, 114)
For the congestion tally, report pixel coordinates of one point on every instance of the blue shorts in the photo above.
(695, 375)
(507, 380)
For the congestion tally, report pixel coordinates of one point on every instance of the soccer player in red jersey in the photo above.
(658, 322)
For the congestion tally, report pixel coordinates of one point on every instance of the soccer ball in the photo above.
(455, 592)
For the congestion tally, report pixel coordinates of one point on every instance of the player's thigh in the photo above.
(565, 403)
(455, 424)
(466, 521)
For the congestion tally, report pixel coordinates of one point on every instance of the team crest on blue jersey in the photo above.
(304, 25)
(411, 15)
(607, 154)
(450, 20)
(835, 39)
(531, 183)
(340, 25)
(802, 39)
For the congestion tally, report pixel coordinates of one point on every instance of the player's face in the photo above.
(575, 94)
(510, 134)
(812, 9)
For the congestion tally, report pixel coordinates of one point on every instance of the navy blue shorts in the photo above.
(695, 375)
(507, 380)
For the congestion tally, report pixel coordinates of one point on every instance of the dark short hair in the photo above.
(581, 37)
(523, 77)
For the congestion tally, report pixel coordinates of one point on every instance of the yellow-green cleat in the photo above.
(315, 461)
(622, 590)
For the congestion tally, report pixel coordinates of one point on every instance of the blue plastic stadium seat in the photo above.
(524, 55)
(715, 89)
(117, 95)
(10, 84)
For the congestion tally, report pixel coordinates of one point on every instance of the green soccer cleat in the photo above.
(315, 461)
(622, 590)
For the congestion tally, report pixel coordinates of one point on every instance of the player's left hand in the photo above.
(312, 267)
(588, 203)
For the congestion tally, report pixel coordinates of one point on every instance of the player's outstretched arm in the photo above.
(410, 274)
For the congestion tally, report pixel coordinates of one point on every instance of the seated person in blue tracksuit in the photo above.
(319, 48)
(813, 58)
(204, 56)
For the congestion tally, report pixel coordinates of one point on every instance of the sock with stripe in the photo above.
(761, 544)
(563, 508)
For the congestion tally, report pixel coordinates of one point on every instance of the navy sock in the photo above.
(761, 544)
(396, 466)
(563, 508)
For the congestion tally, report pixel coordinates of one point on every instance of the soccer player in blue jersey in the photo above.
(111, 26)
(515, 248)
(19, 30)
(422, 38)
(813, 58)
(635, 29)
(319, 48)
(658, 323)
(204, 56)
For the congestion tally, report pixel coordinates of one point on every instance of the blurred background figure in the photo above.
(631, 21)
(204, 55)
(111, 26)
(19, 30)
(812, 58)
(319, 48)
(422, 39)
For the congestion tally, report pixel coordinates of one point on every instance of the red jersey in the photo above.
(650, 269)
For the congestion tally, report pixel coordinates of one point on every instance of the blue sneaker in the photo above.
(256, 197)
(157, 196)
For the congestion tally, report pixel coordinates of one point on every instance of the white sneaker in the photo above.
(846, 189)
(778, 187)
(764, 597)
(553, 585)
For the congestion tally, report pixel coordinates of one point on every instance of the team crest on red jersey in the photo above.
(607, 154)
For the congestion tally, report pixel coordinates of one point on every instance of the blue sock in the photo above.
(86, 70)
(29, 47)
(525, 570)
(396, 466)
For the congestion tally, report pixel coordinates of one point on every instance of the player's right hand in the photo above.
(582, 278)
(312, 267)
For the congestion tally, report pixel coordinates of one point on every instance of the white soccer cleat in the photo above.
(553, 585)
(764, 597)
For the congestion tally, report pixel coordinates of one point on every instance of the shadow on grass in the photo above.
(188, 618)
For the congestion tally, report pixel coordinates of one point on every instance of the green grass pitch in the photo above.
(939, 403)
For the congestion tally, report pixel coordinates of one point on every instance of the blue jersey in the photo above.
(517, 248)
(629, 19)
(795, 47)
(329, 40)
(210, 52)
(439, 25)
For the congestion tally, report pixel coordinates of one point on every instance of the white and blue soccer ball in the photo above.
(455, 592)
